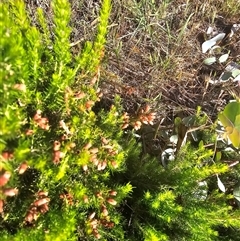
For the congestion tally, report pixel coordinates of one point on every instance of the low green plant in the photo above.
(192, 197)
(57, 154)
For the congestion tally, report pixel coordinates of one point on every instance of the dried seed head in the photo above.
(35, 215)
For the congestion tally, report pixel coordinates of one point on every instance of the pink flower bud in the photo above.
(96, 234)
(112, 193)
(1, 205)
(22, 168)
(5, 178)
(41, 202)
(10, 192)
(29, 132)
(104, 211)
(87, 146)
(104, 164)
(85, 199)
(112, 201)
(42, 193)
(124, 126)
(29, 217)
(114, 164)
(56, 145)
(94, 150)
(21, 87)
(91, 216)
(85, 168)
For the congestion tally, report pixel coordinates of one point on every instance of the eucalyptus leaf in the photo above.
(210, 61)
(194, 135)
(235, 73)
(189, 120)
(236, 193)
(225, 76)
(230, 119)
(209, 30)
(237, 79)
(211, 42)
(221, 185)
(174, 139)
(223, 58)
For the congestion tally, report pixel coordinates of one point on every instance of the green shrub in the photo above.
(57, 154)
(68, 171)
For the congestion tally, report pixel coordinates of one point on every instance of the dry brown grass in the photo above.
(153, 53)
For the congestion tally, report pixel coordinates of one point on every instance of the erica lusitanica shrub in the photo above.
(69, 171)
